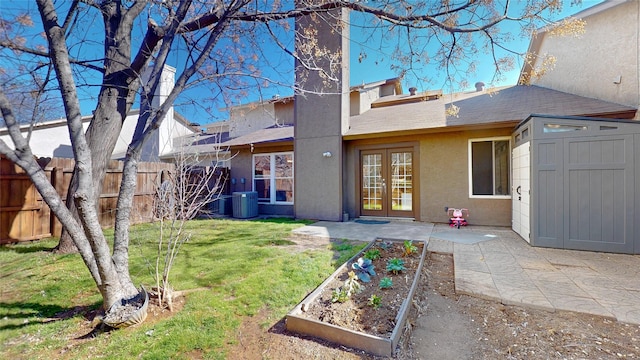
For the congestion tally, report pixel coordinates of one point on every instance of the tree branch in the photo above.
(16, 47)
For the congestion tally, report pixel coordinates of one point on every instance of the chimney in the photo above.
(479, 86)
(412, 90)
(321, 116)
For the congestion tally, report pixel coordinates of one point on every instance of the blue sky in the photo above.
(369, 71)
(375, 66)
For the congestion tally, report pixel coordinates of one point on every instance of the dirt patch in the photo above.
(445, 325)
(93, 325)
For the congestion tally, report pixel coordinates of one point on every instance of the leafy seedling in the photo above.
(364, 269)
(385, 283)
(372, 254)
(339, 295)
(395, 265)
(409, 248)
(375, 301)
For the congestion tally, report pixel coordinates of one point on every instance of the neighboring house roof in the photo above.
(272, 134)
(505, 105)
(85, 119)
(500, 107)
(202, 143)
(277, 99)
(51, 138)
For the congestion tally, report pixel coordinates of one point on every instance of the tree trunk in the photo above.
(115, 99)
(89, 237)
(65, 245)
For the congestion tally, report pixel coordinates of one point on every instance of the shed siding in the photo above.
(585, 186)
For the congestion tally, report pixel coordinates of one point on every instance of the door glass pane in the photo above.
(401, 181)
(284, 177)
(372, 182)
(261, 174)
(284, 190)
(284, 165)
(262, 168)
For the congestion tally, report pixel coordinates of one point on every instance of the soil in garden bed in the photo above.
(357, 313)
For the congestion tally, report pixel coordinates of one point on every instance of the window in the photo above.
(489, 171)
(555, 128)
(273, 177)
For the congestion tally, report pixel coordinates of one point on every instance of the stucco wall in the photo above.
(321, 118)
(444, 177)
(360, 101)
(284, 113)
(250, 118)
(590, 64)
(54, 141)
(48, 141)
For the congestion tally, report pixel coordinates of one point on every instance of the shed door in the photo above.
(599, 193)
(520, 192)
(583, 193)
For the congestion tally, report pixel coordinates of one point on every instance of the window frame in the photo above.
(470, 166)
(272, 177)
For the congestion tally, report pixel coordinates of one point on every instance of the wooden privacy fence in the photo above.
(24, 216)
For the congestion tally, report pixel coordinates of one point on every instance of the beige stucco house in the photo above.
(603, 63)
(424, 158)
(374, 150)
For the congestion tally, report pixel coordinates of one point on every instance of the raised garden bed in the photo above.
(357, 322)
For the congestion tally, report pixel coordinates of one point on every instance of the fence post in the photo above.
(57, 181)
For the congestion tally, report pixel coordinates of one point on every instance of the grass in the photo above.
(245, 265)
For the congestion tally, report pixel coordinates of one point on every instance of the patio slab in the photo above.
(495, 263)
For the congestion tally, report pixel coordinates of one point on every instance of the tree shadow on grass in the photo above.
(45, 313)
(96, 331)
(25, 249)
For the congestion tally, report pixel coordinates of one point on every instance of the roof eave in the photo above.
(434, 130)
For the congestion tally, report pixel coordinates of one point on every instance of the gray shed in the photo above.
(576, 183)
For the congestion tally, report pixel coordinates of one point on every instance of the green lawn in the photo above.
(246, 266)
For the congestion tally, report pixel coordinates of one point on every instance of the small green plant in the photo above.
(395, 265)
(409, 248)
(385, 245)
(375, 301)
(339, 295)
(364, 269)
(385, 283)
(351, 286)
(372, 254)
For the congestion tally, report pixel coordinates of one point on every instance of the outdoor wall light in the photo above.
(327, 154)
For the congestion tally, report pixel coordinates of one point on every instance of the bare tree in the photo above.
(221, 42)
(180, 196)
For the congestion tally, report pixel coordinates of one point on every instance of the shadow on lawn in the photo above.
(45, 313)
(24, 249)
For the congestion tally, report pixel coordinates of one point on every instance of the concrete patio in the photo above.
(495, 263)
